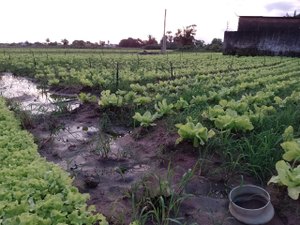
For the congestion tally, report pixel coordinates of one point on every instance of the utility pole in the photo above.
(164, 40)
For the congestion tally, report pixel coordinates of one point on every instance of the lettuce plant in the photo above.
(146, 119)
(142, 100)
(239, 106)
(108, 99)
(213, 112)
(261, 112)
(181, 104)
(198, 100)
(197, 133)
(130, 96)
(289, 177)
(87, 97)
(279, 101)
(291, 145)
(232, 121)
(163, 108)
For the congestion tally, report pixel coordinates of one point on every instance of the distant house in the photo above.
(259, 35)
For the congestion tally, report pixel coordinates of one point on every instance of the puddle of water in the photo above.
(73, 133)
(31, 97)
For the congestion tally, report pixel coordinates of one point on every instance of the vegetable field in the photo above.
(236, 117)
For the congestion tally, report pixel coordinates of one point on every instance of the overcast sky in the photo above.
(113, 20)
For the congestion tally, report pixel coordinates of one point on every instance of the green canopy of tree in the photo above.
(185, 37)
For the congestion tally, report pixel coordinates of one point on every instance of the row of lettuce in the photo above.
(100, 71)
(33, 191)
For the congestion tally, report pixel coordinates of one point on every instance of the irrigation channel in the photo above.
(120, 171)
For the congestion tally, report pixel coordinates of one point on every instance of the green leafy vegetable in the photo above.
(289, 177)
(33, 191)
(291, 146)
(288, 134)
(197, 133)
(142, 100)
(232, 121)
(87, 97)
(181, 104)
(146, 119)
(163, 108)
(108, 99)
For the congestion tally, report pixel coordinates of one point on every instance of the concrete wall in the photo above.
(269, 24)
(259, 35)
(262, 43)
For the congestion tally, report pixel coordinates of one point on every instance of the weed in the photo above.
(62, 106)
(103, 140)
(156, 200)
(103, 144)
(25, 117)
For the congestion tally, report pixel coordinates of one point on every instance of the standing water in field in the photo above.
(32, 98)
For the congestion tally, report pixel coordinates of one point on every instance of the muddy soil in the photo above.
(132, 158)
(135, 158)
(113, 163)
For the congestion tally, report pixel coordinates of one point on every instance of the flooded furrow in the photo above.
(32, 98)
(71, 135)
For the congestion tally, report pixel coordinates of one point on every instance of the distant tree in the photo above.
(53, 44)
(151, 43)
(186, 37)
(169, 36)
(88, 44)
(27, 43)
(131, 43)
(65, 42)
(102, 43)
(170, 41)
(38, 44)
(47, 40)
(215, 45)
(151, 40)
(199, 44)
(78, 44)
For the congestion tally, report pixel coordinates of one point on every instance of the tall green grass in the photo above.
(256, 153)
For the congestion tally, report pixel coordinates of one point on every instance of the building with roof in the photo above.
(258, 35)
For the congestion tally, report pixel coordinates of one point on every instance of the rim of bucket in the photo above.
(254, 186)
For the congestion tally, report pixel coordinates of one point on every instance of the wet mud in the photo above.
(113, 162)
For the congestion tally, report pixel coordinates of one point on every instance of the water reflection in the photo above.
(32, 98)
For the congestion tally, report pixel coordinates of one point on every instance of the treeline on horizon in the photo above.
(183, 39)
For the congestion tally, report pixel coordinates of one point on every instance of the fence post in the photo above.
(117, 76)
(172, 70)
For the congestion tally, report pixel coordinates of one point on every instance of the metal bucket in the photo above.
(250, 204)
